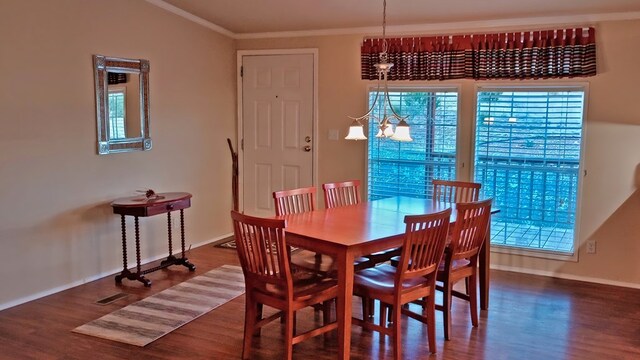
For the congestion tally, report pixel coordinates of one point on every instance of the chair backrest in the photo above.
(424, 242)
(470, 229)
(341, 193)
(295, 201)
(455, 191)
(262, 250)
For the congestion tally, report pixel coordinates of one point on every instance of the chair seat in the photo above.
(382, 256)
(318, 263)
(455, 264)
(380, 279)
(302, 289)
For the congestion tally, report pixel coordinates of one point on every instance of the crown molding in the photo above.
(415, 29)
(189, 16)
(454, 27)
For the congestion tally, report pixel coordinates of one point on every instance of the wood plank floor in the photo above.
(530, 317)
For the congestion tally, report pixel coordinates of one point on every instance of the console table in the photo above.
(140, 206)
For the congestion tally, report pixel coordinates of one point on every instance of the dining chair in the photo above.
(343, 193)
(264, 257)
(415, 278)
(348, 193)
(455, 191)
(461, 258)
(297, 201)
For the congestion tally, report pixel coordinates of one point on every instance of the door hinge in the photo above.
(241, 71)
(242, 144)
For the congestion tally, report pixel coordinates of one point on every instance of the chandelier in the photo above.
(384, 122)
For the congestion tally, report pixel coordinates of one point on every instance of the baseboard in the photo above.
(566, 276)
(57, 289)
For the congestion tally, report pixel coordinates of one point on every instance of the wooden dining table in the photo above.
(348, 232)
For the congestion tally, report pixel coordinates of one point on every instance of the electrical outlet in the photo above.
(591, 247)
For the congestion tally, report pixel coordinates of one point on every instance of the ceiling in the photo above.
(264, 16)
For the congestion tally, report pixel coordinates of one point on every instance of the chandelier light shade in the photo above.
(389, 114)
(356, 131)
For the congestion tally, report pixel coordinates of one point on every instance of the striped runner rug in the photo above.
(149, 319)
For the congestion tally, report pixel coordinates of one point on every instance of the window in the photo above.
(117, 127)
(407, 168)
(527, 157)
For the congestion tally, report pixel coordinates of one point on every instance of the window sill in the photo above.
(544, 254)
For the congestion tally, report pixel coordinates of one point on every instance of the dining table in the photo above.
(348, 232)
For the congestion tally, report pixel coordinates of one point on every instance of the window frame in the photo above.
(457, 88)
(118, 89)
(578, 242)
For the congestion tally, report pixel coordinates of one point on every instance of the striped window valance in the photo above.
(512, 55)
(116, 78)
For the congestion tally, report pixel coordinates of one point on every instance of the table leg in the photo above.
(184, 261)
(125, 268)
(139, 276)
(345, 294)
(169, 232)
(170, 260)
(485, 260)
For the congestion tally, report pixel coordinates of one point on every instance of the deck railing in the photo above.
(529, 192)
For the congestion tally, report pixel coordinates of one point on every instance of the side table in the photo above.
(140, 206)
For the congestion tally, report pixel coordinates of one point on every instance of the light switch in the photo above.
(334, 134)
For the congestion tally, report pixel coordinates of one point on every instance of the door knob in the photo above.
(307, 148)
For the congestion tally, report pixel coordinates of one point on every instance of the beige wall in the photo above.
(610, 205)
(56, 225)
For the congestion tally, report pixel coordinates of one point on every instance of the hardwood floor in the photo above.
(530, 317)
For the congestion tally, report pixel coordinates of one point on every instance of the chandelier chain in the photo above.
(383, 54)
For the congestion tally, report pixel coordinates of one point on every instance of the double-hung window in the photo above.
(527, 157)
(407, 168)
(117, 112)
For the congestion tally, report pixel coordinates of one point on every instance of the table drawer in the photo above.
(167, 207)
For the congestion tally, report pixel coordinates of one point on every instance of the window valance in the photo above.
(512, 55)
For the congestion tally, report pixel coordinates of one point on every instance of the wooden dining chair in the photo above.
(297, 201)
(343, 193)
(455, 191)
(264, 257)
(414, 278)
(348, 193)
(461, 258)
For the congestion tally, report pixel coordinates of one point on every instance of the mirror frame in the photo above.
(102, 65)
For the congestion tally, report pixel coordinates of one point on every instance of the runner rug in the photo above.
(149, 319)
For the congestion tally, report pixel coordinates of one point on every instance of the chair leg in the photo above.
(365, 308)
(288, 333)
(259, 307)
(430, 310)
(473, 299)
(383, 316)
(372, 308)
(396, 331)
(446, 309)
(249, 323)
(326, 315)
(326, 312)
(295, 322)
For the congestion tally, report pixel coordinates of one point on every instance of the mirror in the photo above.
(122, 104)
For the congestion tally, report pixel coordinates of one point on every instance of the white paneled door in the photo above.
(277, 128)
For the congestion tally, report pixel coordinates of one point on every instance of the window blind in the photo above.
(528, 145)
(407, 168)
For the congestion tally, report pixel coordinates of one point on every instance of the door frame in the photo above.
(314, 163)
